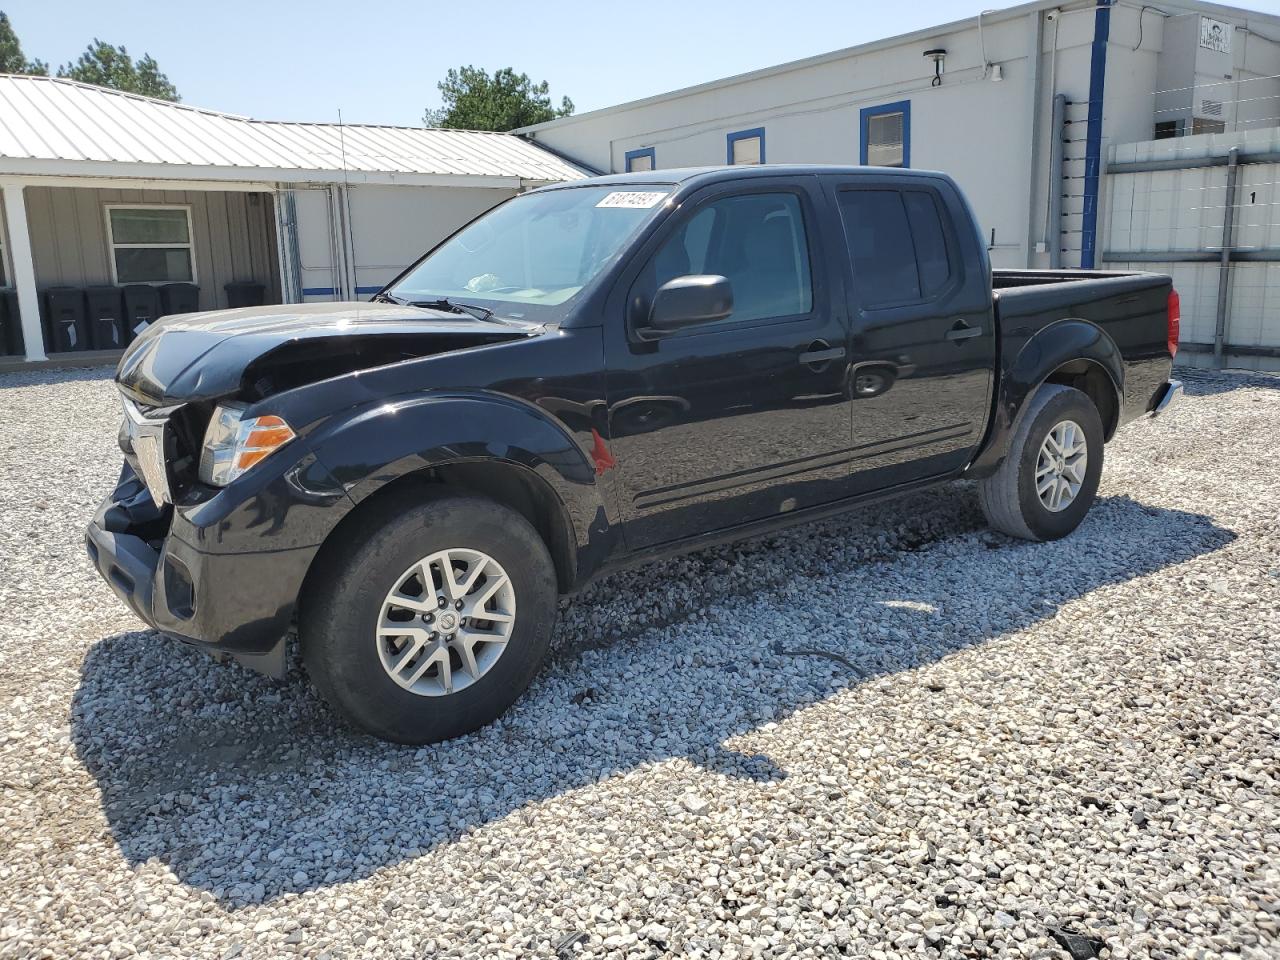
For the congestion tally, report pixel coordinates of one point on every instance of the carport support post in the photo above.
(24, 269)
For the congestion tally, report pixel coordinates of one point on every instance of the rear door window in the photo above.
(897, 245)
(880, 248)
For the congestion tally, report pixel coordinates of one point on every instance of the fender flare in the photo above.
(369, 447)
(1050, 348)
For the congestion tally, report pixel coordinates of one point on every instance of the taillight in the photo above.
(1175, 318)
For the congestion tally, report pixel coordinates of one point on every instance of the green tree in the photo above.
(106, 65)
(12, 59)
(473, 100)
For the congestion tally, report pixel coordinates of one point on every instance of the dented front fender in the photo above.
(375, 445)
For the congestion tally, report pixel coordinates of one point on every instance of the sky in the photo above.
(379, 61)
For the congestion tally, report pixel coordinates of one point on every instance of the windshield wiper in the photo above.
(444, 303)
(453, 306)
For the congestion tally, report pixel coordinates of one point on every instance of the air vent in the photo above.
(1211, 108)
(885, 135)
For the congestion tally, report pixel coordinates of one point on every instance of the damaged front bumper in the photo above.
(203, 585)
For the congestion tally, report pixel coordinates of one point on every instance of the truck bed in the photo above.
(1010, 279)
(1130, 307)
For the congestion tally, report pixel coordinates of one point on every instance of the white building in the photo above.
(119, 203)
(976, 98)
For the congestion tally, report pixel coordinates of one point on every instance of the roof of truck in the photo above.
(684, 175)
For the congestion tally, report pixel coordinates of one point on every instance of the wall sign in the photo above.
(1216, 35)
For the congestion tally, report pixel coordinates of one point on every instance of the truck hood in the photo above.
(261, 350)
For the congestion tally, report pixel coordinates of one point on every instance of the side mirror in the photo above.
(687, 301)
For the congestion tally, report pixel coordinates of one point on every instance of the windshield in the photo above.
(533, 252)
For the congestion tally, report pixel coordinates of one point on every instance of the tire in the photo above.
(350, 599)
(1010, 498)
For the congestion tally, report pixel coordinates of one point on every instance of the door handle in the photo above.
(962, 331)
(820, 353)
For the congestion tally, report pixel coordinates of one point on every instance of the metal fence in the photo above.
(1204, 210)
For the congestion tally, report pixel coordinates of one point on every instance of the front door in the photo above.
(922, 343)
(745, 417)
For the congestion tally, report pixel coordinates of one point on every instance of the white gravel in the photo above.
(1006, 739)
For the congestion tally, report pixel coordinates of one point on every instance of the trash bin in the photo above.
(179, 298)
(246, 293)
(141, 309)
(11, 343)
(106, 318)
(65, 329)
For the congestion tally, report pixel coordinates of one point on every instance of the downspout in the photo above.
(1093, 138)
(287, 245)
(348, 240)
(1224, 265)
(295, 250)
(1033, 123)
(337, 267)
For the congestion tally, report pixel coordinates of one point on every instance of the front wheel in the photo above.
(1050, 475)
(432, 618)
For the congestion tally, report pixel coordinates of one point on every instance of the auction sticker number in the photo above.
(632, 199)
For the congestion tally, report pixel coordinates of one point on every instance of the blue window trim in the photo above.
(732, 138)
(635, 154)
(1093, 133)
(903, 107)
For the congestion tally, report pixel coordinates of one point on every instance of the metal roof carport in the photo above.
(60, 133)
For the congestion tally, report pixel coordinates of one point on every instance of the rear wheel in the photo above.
(432, 619)
(1049, 478)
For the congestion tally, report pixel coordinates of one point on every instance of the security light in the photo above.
(938, 55)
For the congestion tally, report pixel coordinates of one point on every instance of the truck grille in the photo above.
(146, 438)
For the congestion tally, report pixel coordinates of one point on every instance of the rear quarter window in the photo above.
(930, 240)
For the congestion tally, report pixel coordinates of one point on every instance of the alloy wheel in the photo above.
(445, 622)
(1061, 465)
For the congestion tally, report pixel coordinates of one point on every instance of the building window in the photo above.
(746, 147)
(150, 243)
(886, 135)
(640, 160)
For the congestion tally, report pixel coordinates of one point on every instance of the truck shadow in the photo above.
(251, 789)
(1200, 382)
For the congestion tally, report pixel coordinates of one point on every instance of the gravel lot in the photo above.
(1009, 740)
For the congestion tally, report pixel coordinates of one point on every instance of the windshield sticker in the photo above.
(633, 199)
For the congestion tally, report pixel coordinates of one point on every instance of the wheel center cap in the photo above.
(448, 622)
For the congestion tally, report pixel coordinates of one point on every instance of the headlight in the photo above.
(233, 444)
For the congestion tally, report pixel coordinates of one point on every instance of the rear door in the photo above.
(922, 337)
(747, 417)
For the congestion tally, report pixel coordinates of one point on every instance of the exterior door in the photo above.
(746, 417)
(922, 336)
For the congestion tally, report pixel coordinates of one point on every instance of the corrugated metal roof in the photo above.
(49, 118)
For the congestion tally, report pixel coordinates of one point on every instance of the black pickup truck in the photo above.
(590, 375)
